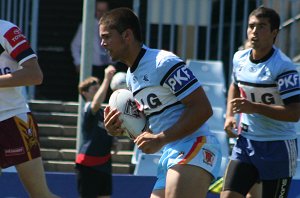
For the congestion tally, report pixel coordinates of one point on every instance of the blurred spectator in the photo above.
(100, 58)
(93, 162)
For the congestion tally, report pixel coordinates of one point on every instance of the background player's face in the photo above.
(259, 33)
(113, 42)
(101, 8)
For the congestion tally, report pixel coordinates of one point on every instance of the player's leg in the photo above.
(238, 179)
(33, 178)
(158, 193)
(255, 191)
(21, 149)
(276, 188)
(277, 164)
(187, 168)
(187, 181)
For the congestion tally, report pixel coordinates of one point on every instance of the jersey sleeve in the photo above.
(234, 66)
(178, 77)
(288, 83)
(16, 45)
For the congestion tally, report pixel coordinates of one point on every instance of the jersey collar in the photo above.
(138, 58)
(262, 59)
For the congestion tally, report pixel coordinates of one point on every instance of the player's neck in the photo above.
(133, 54)
(262, 57)
(258, 54)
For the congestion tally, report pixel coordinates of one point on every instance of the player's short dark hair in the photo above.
(272, 15)
(121, 19)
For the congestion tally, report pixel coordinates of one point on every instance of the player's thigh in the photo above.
(239, 178)
(276, 188)
(32, 175)
(158, 193)
(255, 191)
(183, 180)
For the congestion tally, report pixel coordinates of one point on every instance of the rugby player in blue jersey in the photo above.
(265, 92)
(173, 101)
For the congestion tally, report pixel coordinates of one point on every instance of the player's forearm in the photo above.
(189, 122)
(233, 92)
(288, 113)
(30, 74)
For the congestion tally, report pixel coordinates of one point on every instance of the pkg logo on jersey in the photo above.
(14, 36)
(179, 78)
(288, 82)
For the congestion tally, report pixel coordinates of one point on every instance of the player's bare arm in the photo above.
(288, 113)
(230, 122)
(29, 74)
(112, 122)
(197, 112)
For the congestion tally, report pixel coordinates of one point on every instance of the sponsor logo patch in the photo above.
(14, 152)
(288, 82)
(14, 36)
(179, 78)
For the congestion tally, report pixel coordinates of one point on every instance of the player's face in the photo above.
(113, 42)
(259, 33)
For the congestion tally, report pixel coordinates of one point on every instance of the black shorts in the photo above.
(240, 177)
(92, 183)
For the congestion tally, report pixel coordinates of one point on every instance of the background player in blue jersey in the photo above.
(173, 101)
(266, 93)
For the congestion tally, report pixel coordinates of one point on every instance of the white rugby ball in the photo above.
(118, 81)
(134, 121)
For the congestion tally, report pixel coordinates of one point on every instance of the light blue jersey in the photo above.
(159, 80)
(273, 81)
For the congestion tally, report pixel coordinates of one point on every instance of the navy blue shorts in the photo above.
(272, 159)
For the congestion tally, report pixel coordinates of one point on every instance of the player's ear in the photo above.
(275, 32)
(127, 34)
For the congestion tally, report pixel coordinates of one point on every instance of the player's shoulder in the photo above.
(242, 54)
(160, 54)
(5, 26)
(281, 57)
(282, 61)
(162, 57)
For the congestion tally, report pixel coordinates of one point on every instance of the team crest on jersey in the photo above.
(208, 157)
(252, 69)
(288, 82)
(146, 78)
(179, 78)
